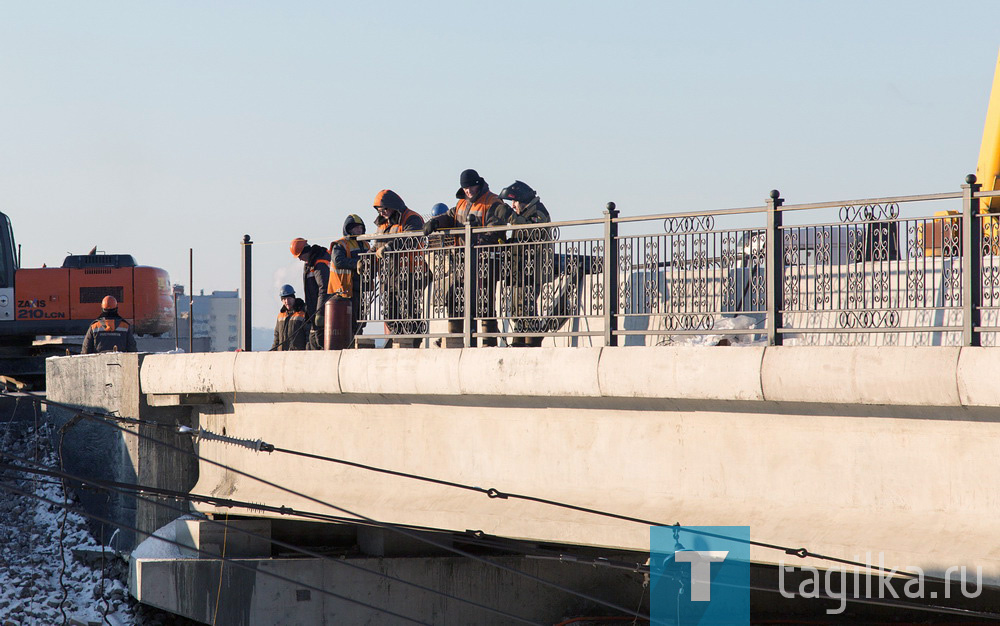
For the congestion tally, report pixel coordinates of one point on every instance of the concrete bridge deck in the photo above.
(841, 450)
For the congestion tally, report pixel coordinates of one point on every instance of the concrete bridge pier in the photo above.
(109, 383)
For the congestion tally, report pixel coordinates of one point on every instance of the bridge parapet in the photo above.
(842, 450)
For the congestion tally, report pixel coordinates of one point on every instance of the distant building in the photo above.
(218, 317)
(216, 321)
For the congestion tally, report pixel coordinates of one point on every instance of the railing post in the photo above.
(775, 269)
(610, 275)
(972, 250)
(246, 332)
(469, 286)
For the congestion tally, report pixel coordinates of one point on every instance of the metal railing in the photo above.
(880, 271)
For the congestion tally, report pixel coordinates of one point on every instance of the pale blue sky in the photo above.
(151, 128)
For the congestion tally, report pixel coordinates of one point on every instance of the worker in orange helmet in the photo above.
(109, 332)
(315, 278)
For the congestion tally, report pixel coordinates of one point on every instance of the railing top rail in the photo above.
(662, 216)
(869, 201)
(450, 232)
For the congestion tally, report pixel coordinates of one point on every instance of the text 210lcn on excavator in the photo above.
(60, 301)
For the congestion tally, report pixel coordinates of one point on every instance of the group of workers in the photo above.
(333, 273)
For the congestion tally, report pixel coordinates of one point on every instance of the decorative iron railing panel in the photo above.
(894, 271)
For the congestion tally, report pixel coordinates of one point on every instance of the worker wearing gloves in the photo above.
(315, 278)
(290, 329)
(109, 332)
(403, 273)
(477, 206)
(345, 280)
(531, 260)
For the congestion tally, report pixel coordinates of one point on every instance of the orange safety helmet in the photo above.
(109, 303)
(298, 245)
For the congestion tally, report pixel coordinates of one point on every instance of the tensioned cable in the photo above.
(123, 488)
(536, 553)
(802, 553)
(233, 562)
(502, 495)
(495, 493)
(542, 554)
(137, 491)
(100, 418)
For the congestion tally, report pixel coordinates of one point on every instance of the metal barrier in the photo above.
(883, 271)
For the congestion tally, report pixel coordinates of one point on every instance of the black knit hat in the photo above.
(470, 178)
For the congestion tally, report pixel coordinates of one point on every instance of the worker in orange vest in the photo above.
(109, 332)
(403, 273)
(315, 278)
(345, 279)
(477, 206)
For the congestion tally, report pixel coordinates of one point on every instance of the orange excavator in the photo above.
(60, 301)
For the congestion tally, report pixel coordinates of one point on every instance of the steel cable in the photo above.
(234, 562)
(100, 418)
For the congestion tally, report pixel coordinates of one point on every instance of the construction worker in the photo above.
(477, 206)
(403, 274)
(442, 260)
(345, 281)
(109, 332)
(315, 278)
(290, 331)
(531, 260)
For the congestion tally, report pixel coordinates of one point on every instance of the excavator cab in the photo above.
(65, 300)
(8, 265)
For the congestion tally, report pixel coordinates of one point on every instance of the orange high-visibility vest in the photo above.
(480, 208)
(411, 261)
(341, 278)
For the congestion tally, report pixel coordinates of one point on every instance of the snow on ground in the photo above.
(50, 566)
(719, 326)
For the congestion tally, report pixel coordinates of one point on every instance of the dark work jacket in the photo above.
(401, 222)
(486, 209)
(315, 278)
(108, 333)
(344, 274)
(533, 213)
(290, 331)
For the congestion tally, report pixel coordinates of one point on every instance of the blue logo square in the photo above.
(699, 575)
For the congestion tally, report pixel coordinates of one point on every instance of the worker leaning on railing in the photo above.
(477, 206)
(530, 256)
(403, 273)
(344, 279)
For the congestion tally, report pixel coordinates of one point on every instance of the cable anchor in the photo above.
(256, 445)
